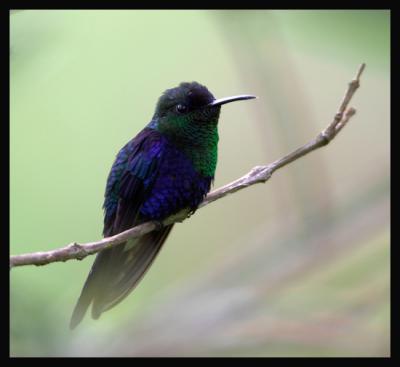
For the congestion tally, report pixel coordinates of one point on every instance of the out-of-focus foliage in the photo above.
(296, 267)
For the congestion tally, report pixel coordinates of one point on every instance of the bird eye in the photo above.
(181, 108)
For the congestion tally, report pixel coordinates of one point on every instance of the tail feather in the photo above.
(89, 288)
(116, 272)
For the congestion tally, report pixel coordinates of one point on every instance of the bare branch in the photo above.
(259, 174)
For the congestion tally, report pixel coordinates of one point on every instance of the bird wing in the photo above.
(116, 271)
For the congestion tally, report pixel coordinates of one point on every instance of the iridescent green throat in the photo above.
(197, 140)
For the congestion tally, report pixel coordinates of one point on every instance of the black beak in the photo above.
(221, 101)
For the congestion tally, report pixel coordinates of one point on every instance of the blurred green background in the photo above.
(296, 267)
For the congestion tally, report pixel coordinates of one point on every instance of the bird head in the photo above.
(189, 111)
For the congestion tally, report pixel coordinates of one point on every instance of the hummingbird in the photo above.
(168, 166)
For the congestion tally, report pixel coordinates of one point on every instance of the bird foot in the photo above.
(159, 225)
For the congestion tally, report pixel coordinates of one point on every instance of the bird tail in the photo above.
(116, 272)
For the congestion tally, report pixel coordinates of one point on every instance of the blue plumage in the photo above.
(150, 179)
(168, 166)
(176, 185)
(164, 176)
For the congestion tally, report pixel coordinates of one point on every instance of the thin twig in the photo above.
(259, 174)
